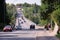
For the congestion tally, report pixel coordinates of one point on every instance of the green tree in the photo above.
(56, 16)
(11, 11)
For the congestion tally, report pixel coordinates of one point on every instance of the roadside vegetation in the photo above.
(58, 35)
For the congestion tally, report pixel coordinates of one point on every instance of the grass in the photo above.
(58, 35)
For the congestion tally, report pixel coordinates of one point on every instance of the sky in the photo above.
(38, 2)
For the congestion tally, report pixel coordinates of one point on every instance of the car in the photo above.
(21, 22)
(18, 28)
(32, 26)
(7, 28)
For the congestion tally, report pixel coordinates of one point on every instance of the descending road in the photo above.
(22, 21)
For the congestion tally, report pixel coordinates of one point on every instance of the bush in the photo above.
(43, 22)
(2, 26)
(58, 35)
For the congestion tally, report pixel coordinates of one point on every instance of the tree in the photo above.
(47, 8)
(11, 11)
(56, 16)
(26, 5)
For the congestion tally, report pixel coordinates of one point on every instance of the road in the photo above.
(18, 35)
(26, 35)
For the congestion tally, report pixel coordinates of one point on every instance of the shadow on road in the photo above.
(17, 38)
(40, 29)
(8, 35)
(47, 38)
(37, 38)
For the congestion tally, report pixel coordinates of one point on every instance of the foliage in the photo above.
(48, 6)
(56, 16)
(32, 12)
(2, 25)
(50, 10)
(43, 22)
(11, 11)
(58, 35)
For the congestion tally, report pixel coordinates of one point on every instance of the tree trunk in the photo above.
(3, 14)
(2, 10)
(4, 19)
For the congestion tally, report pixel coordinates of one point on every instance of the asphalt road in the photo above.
(18, 35)
(26, 35)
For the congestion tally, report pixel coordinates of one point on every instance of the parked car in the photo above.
(7, 28)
